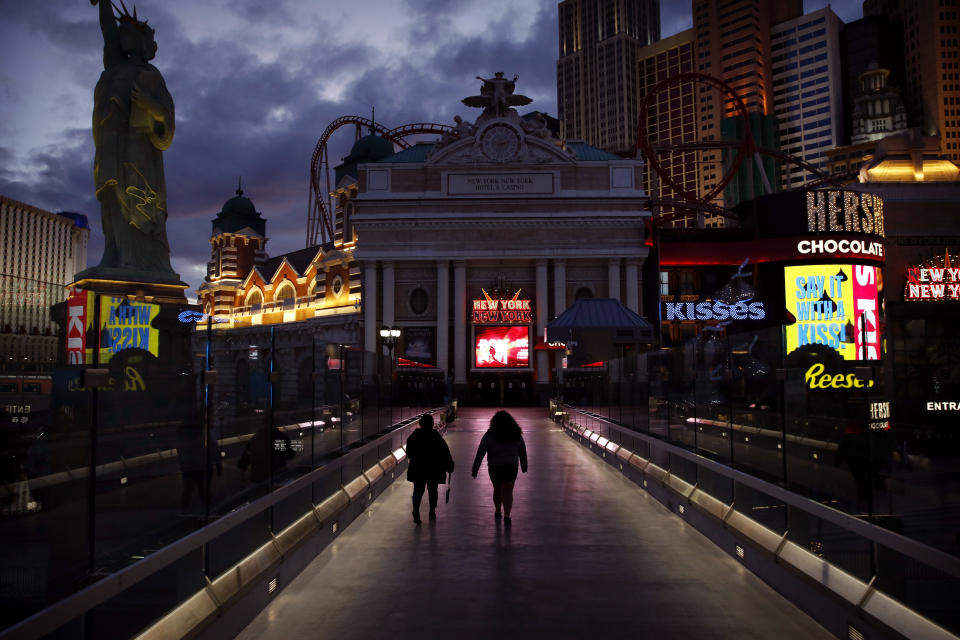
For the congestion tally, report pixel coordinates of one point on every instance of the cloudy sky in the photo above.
(255, 83)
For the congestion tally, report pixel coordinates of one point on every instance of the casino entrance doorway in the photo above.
(501, 388)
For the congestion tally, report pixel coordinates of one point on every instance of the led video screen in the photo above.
(502, 347)
(835, 305)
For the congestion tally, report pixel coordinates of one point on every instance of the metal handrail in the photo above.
(56, 615)
(909, 547)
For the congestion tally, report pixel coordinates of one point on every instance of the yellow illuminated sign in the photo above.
(821, 298)
(127, 325)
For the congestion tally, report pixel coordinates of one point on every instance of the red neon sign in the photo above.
(865, 311)
(933, 283)
(499, 311)
(498, 347)
(77, 326)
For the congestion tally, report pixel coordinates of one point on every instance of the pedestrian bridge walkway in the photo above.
(589, 554)
(615, 533)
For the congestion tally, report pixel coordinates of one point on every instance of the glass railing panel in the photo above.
(760, 507)
(237, 543)
(140, 605)
(325, 486)
(684, 469)
(716, 485)
(151, 449)
(923, 588)
(291, 509)
(44, 462)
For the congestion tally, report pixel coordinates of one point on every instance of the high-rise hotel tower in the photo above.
(39, 254)
(597, 70)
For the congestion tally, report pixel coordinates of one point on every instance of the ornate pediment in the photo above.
(505, 140)
(499, 135)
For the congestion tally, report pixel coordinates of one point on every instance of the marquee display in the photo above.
(835, 306)
(502, 347)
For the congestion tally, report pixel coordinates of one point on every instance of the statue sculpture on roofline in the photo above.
(133, 124)
(496, 96)
(499, 133)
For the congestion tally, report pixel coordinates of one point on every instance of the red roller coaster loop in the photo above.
(319, 219)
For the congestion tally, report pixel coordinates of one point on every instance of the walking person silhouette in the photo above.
(504, 446)
(430, 462)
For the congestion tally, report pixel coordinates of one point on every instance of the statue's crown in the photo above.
(125, 17)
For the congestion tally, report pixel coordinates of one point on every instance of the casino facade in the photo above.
(471, 246)
(468, 244)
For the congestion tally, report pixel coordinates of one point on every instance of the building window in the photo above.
(337, 285)
(285, 292)
(583, 293)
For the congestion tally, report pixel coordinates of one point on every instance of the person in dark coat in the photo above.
(504, 447)
(430, 461)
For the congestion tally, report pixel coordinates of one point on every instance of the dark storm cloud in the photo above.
(255, 84)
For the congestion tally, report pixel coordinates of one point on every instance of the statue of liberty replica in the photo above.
(133, 124)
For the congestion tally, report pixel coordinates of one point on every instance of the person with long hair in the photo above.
(504, 447)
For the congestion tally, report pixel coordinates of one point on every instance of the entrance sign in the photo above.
(835, 306)
(503, 184)
(943, 406)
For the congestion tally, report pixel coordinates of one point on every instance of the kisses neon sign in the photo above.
(714, 310)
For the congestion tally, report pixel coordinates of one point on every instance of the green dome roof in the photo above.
(371, 148)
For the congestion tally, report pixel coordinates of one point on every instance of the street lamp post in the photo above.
(389, 336)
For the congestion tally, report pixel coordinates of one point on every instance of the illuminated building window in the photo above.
(285, 292)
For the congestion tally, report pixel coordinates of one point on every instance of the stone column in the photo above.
(388, 297)
(543, 362)
(559, 287)
(613, 278)
(559, 306)
(633, 285)
(460, 322)
(443, 317)
(369, 317)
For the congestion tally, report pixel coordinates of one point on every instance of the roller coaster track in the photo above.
(746, 150)
(319, 217)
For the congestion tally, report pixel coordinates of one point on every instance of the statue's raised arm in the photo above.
(112, 51)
